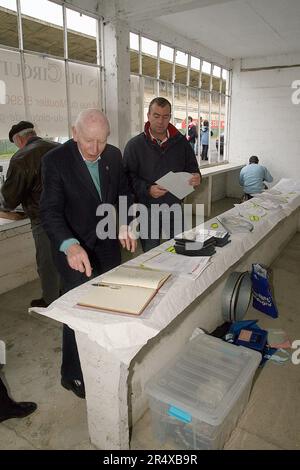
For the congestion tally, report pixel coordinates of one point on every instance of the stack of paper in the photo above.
(190, 267)
(236, 224)
(251, 211)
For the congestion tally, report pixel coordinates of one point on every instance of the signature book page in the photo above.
(125, 290)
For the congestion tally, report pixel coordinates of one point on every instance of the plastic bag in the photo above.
(262, 296)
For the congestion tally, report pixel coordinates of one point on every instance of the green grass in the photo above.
(6, 156)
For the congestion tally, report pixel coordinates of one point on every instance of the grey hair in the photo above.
(91, 115)
(24, 132)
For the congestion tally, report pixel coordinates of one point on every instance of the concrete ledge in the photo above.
(204, 312)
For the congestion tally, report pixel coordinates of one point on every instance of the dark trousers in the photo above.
(46, 268)
(5, 401)
(204, 152)
(104, 257)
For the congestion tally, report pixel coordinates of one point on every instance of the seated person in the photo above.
(12, 409)
(252, 178)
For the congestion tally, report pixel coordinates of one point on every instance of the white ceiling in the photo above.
(240, 28)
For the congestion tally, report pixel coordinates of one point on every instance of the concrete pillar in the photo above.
(117, 75)
(105, 379)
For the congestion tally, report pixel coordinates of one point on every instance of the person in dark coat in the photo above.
(23, 185)
(161, 148)
(78, 177)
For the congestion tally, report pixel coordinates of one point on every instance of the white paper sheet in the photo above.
(190, 267)
(177, 183)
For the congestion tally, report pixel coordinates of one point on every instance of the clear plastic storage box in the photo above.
(197, 399)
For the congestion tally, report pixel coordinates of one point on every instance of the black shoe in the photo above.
(75, 385)
(18, 410)
(38, 303)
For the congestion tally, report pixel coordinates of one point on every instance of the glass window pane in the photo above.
(165, 90)
(46, 85)
(216, 79)
(9, 4)
(82, 37)
(42, 27)
(7, 149)
(12, 107)
(216, 71)
(134, 41)
(8, 23)
(81, 23)
(149, 57)
(166, 53)
(225, 78)
(206, 67)
(223, 144)
(205, 81)
(181, 58)
(149, 47)
(181, 70)
(180, 74)
(43, 10)
(149, 94)
(225, 74)
(166, 70)
(134, 62)
(166, 62)
(84, 88)
(195, 63)
(193, 112)
(194, 78)
(149, 66)
(179, 112)
(136, 107)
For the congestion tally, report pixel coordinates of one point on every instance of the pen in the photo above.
(106, 285)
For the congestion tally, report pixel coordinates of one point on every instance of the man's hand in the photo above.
(127, 238)
(157, 191)
(195, 179)
(78, 259)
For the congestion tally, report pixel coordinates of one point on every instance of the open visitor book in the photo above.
(126, 290)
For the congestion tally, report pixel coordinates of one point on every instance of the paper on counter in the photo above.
(190, 267)
(177, 183)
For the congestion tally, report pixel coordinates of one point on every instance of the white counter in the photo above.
(119, 354)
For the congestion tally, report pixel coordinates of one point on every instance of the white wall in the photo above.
(264, 121)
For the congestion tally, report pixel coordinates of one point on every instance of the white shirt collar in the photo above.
(89, 161)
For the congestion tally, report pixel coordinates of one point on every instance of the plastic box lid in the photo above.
(205, 379)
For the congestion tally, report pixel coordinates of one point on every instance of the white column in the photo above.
(117, 73)
(105, 379)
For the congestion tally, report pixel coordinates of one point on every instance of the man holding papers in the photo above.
(156, 152)
(78, 178)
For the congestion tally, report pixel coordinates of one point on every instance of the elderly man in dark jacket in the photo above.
(80, 177)
(23, 185)
(161, 148)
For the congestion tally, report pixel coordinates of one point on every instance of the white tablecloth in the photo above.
(124, 336)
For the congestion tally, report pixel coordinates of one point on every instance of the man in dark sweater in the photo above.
(23, 185)
(161, 148)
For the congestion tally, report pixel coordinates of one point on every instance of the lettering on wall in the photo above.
(296, 94)
(45, 84)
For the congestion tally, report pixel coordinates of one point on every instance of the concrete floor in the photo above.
(271, 419)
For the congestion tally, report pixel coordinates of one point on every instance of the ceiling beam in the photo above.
(141, 10)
